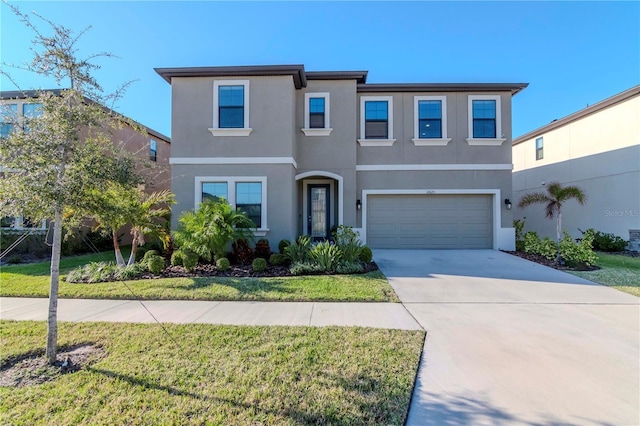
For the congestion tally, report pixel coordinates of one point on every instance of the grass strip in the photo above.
(617, 271)
(32, 280)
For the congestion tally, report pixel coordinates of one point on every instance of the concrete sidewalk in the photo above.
(317, 314)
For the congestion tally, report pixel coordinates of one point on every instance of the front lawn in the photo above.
(32, 280)
(218, 375)
(617, 271)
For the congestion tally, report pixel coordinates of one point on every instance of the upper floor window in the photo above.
(153, 150)
(376, 121)
(430, 120)
(485, 126)
(316, 114)
(8, 116)
(231, 108)
(539, 148)
(31, 110)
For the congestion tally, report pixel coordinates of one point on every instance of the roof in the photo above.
(296, 71)
(613, 100)
(443, 87)
(300, 77)
(23, 94)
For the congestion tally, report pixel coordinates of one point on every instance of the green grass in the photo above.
(619, 272)
(219, 375)
(32, 280)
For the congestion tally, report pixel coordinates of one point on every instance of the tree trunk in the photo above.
(116, 248)
(558, 233)
(52, 320)
(134, 247)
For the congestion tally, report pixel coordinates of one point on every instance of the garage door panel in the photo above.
(429, 221)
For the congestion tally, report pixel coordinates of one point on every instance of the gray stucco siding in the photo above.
(281, 191)
(271, 116)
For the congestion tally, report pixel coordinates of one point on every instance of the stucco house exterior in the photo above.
(407, 165)
(154, 148)
(596, 149)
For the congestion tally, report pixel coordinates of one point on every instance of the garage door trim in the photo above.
(497, 220)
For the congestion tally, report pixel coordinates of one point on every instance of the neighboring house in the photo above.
(407, 165)
(154, 148)
(596, 149)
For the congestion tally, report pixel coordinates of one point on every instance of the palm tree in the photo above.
(149, 216)
(554, 198)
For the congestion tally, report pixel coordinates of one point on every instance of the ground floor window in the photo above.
(244, 193)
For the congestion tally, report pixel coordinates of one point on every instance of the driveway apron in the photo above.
(513, 342)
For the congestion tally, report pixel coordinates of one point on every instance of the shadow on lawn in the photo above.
(244, 286)
(369, 412)
(462, 409)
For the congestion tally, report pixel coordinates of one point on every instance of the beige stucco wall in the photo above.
(600, 153)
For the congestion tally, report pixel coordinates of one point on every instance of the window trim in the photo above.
(216, 130)
(231, 193)
(326, 130)
(417, 140)
(499, 139)
(376, 142)
(541, 149)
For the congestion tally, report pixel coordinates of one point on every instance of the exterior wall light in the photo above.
(358, 205)
(507, 203)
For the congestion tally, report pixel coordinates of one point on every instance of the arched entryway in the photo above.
(321, 203)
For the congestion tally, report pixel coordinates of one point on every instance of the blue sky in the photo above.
(571, 53)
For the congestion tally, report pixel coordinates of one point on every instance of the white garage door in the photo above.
(429, 221)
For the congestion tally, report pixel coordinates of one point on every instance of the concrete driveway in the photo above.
(513, 342)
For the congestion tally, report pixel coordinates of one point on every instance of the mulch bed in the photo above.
(33, 368)
(550, 263)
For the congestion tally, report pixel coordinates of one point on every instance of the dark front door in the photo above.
(318, 211)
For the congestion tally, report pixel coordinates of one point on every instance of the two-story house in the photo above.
(407, 165)
(151, 147)
(596, 149)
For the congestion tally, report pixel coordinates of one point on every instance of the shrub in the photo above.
(347, 240)
(366, 255)
(223, 264)
(546, 248)
(189, 260)
(276, 259)
(104, 271)
(262, 249)
(259, 264)
(176, 258)
(242, 252)
(14, 259)
(302, 268)
(282, 245)
(209, 230)
(350, 268)
(298, 251)
(155, 263)
(578, 254)
(148, 254)
(606, 242)
(33, 244)
(519, 227)
(326, 255)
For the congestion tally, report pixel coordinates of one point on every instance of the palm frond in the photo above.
(572, 192)
(534, 198)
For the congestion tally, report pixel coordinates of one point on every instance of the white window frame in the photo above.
(216, 130)
(541, 139)
(376, 142)
(326, 131)
(19, 221)
(499, 139)
(417, 141)
(231, 193)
